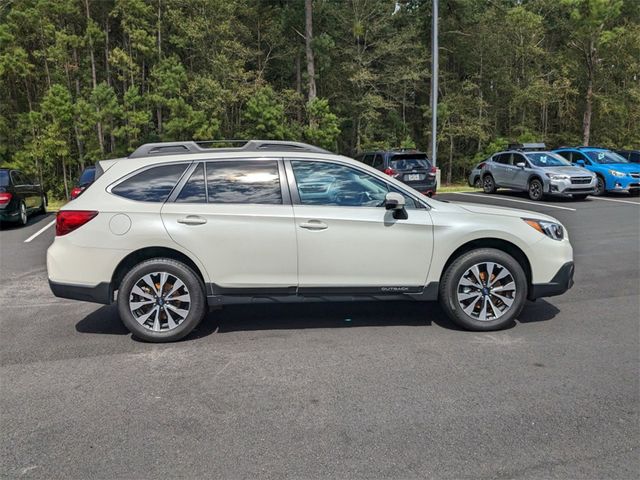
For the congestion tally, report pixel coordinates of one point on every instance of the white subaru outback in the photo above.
(177, 227)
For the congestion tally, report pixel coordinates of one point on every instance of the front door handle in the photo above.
(192, 220)
(314, 225)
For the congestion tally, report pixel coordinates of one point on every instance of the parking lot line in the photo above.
(513, 200)
(40, 231)
(615, 200)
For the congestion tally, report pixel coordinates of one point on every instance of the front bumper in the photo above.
(566, 188)
(100, 293)
(560, 283)
(623, 184)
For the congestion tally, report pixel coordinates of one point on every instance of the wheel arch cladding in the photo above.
(149, 253)
(498, 244)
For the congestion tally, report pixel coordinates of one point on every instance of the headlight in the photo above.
(615, 173)
(550, 229)
(553, 176)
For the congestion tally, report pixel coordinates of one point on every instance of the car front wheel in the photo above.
(535, 190)
(600, 186)
(161, 300)
(484, 289)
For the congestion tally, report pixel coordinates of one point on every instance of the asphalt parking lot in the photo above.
(385, 390)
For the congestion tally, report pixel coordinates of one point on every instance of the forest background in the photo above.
(84, 80)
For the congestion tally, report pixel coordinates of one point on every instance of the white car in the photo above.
(177, 227)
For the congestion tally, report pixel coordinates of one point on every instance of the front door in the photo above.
(347, 241)
(237, 219)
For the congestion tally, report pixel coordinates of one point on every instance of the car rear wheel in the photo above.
(22, 214)
(43, 205)
(161, 300)
(477, 183)
(600, 186)
(488, 184)
(535, 190)
(484, 289)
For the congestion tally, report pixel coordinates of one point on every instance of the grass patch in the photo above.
(456, 187)
(54, 204)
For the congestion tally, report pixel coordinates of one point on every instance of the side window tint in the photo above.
(194, 191)
(368, 159)
(245, 181)
(151, 185)
(322, 183)
(17, 178)
(378, 162)
(565, 154)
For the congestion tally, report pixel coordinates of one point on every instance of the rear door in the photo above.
(501, 169)
(347, 241)
(236, 217)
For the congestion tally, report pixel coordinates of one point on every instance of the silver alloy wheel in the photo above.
(486, 291)
(535, 190)
(159, 301)
(23, 214)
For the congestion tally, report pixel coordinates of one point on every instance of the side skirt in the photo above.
(219, 296)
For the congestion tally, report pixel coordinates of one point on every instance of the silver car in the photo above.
(538, 172)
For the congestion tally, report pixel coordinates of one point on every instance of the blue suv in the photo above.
(614, 173)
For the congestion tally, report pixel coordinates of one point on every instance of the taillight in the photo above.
(75, 191)
(390, 171)
(5, 197)
(69, 220)
(480, 167)
(433, 170)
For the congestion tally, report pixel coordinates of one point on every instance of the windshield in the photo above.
(606, 157)
(87, 176)
(4, 178)
(409, 162)
(547, 159)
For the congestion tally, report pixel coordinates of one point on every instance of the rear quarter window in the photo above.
(151, 185)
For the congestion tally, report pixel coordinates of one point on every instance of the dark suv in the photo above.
(87, 177)
(409, 166)
(19, 197)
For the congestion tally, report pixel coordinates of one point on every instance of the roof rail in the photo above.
(182, 148)
(526, 146)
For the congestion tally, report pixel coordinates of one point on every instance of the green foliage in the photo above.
(215, 69)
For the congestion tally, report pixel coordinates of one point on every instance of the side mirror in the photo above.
(394, 201)
(580, 163)
(521, 164)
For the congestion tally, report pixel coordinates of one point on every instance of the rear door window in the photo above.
(195, 190)
(151, 185)
(244, 181)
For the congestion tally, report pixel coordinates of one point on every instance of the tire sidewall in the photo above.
(449, 295)
(186, 275)
(600, 191)
(23, 221)
(531, 195)
(488, 184)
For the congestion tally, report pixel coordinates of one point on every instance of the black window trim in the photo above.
(187, 163)
(293, 186)
(284, 190)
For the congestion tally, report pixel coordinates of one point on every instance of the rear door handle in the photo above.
(192, 220)
(314, 225)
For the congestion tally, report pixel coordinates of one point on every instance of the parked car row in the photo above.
(568, 171)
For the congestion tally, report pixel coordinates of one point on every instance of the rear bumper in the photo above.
(101, 293)
(560, 283)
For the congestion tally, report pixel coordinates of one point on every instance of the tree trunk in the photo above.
(94, 81)
(586, 121)
(308, 39)
(450, 166)
(106, 51)
(64, 176)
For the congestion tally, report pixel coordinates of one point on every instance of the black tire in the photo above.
(477, 183)
(488, 184)
(600, 186)
(197, 306)
(43, 206)
(23, 218)
(535, 190)
(449, 284)
(580, 196)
